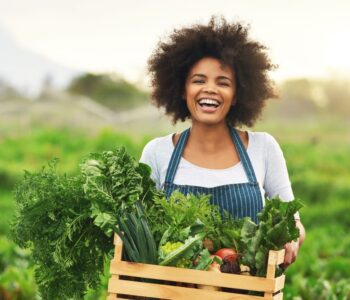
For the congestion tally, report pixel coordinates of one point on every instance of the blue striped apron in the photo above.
(240, 200)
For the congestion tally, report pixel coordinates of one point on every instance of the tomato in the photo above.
(228, 254)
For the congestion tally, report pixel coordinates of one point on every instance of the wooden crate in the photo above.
(124, 282)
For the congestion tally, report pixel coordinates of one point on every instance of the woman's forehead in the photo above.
(210, 66)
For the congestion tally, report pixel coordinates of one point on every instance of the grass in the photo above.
(7, 209)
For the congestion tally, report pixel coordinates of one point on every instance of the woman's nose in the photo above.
(210, 89)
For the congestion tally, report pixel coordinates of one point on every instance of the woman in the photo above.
(217, 77)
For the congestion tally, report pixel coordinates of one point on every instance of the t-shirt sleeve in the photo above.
(277, 181)
(148, 157)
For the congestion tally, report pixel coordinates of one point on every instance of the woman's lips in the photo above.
(207, 109)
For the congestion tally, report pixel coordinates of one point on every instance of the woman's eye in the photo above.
(198, 81)
(224, 83)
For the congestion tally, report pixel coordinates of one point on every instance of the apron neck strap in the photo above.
(176, 156)
(243, 155)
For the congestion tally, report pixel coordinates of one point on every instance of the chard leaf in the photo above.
(276, 228)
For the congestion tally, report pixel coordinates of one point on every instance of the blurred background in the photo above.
(73, 80)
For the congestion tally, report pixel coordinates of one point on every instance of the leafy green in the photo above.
(67, 221)
(276, 227)
(114, 181)
(182, 213)
(54, 221)
(186, 250)
(226, 233)
(205, 260)
(169, 247)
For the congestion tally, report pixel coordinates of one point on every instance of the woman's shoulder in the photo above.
(159, 142)
(264, 143)
(262, 137)
(156, 148)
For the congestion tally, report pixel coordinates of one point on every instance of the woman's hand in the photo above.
(292, 248)
(291, 253)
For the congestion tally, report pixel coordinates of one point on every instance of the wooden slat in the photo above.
(251, 283)
(271, 270)
(276, 257)
(172, 292)
(271, 265)
(279, 296)
(279, 283)
(118, 249)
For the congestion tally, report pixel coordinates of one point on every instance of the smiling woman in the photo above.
(217, 77)
(246, 60)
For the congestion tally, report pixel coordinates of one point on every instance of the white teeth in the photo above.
(209, 101)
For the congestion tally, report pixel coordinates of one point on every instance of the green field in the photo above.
(318, 164)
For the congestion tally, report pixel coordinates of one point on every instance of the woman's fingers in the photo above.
(291, 253)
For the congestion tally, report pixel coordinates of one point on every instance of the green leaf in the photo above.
(276, 227)
(205, 260)
(184, 251)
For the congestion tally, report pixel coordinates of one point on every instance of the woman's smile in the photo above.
(208, 105)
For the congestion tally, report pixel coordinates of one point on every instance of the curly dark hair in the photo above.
(171, 61)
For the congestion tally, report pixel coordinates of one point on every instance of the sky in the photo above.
(305, 37)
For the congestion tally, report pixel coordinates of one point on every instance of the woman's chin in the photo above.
(207, 120)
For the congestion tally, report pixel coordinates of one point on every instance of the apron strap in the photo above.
(243, 155)
(176, 156)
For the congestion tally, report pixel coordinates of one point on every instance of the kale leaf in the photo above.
(114, 182)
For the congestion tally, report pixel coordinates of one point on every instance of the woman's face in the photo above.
(209, 91)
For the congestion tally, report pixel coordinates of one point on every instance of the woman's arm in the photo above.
(277, 183)
(292, 248)
(302, 232)
(148, 157)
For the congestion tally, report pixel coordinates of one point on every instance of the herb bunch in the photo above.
(53, 220)
(67, 221)
(182, 213)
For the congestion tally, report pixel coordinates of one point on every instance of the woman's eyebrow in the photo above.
(219, 77)
(199, 75)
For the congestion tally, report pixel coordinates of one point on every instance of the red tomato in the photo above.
(228, 254)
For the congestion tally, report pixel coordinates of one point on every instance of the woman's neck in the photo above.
(209, 138)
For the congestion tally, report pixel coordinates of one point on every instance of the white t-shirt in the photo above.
(263, 150)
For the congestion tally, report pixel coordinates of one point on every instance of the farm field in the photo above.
(318, 163)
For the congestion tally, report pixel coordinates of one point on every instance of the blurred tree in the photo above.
(297, 96)
(312, 99)
(109, 90)
(8, 92)
(338, 95)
